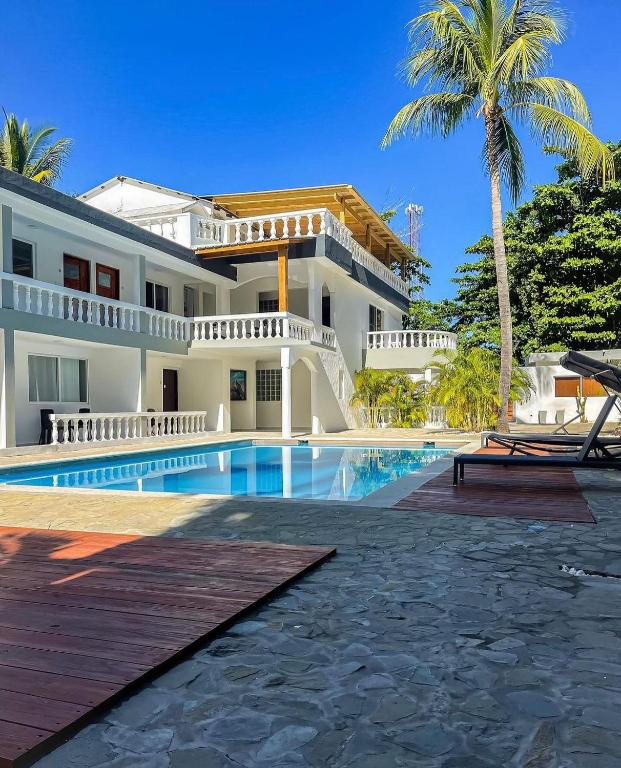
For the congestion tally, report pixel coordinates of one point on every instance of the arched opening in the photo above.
(326, 307)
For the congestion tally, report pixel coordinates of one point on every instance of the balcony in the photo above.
(294, 225)
(263, 329)
(233, 331)
(408, 350)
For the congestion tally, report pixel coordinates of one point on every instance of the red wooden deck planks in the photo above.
(84, 616)
(531, 493)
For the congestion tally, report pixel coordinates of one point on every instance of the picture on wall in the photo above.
(238, 386)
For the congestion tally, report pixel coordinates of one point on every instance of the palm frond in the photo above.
(31, 154)
(436, 113)
(560, 130)
(552, 92)
(47, 168)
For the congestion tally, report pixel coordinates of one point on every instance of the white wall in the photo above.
(543, 399)
(50, 246)
(175, 283)
(199, 381)
(129, 196)
(243, 413)
(113, 380)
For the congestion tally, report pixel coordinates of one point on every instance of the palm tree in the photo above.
(466, 384)
(488, 59)
(32, 154)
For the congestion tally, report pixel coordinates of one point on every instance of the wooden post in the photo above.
(387, 255)
(367, 238)
(283, 278)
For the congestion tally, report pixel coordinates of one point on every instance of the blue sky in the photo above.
(260, 94)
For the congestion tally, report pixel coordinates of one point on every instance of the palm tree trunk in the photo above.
(502, 281)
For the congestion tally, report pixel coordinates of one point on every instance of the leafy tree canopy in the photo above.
(564, 259)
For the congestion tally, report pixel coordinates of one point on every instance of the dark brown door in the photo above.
(170, 392)
(76, 273)
(107, 281)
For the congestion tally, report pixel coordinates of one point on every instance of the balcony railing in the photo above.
(298, 224)
(267, 326)
(411, 339)
(56, 302)
(48, 300)
(70, 428)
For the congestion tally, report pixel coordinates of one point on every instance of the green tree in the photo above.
(466, 384)
(389, 394)
(564, 259)
(488, 59)
(425, 314)
(32, 153)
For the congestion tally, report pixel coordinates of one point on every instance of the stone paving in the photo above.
(430, 640)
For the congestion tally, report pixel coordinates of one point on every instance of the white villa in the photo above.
(162, 312)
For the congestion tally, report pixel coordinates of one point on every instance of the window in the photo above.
(376, 319)
(268, 302)
(57, 379)
(268, 385)
(326, 311)
(23, 258)
(157, 296)
(570, 386)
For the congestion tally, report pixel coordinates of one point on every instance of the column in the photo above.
(285, 391)
(314, 295)
(283, 278)
(316, 428)
(141, 400)
(141, 292)
(224, 407)
(223, 300)
(6, 248)
(7, 393)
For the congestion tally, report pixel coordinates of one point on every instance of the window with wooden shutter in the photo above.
(566, 386)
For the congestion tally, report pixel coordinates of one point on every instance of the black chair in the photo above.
(88, 427)
(588, 453)
(45, 435)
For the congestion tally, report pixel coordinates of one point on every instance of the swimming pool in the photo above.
(238, 469)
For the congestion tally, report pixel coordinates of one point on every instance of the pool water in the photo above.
(238, 469)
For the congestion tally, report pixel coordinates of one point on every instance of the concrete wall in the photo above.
(199, 381)
(543, 399)
(113, 380)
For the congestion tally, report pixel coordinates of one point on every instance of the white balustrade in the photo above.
(259, 326)
(300, 224)
(68, 428)
(413, 339)
(167, 326)
(55, 301)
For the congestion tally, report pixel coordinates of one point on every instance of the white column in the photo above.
(314, 294)
(316, 427)
(285, 391)
(224, 407)
(6, 253)
(141, 400)
(223, 300)
(7, 393)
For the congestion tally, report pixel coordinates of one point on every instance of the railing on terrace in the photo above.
(58, 302)
(69, 428)
(55, 301)
(260, 325)
(411, 339)
(298, 224)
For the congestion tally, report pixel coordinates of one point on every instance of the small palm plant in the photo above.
(466, 384)
(392, 394)
(32, 153)
(487, 59)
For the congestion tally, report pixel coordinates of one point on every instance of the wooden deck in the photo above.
(530, 493)
(86, 616)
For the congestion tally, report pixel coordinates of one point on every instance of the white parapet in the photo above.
(72, 428)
